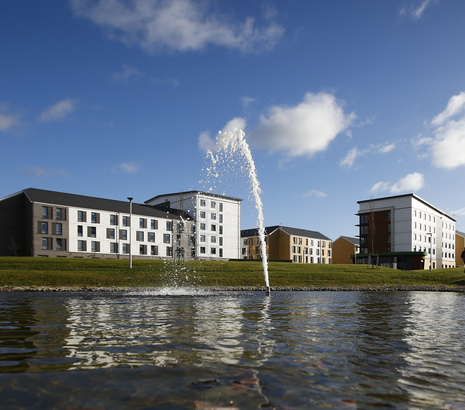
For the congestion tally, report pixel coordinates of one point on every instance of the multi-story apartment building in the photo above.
(217, 220)
(344, 249)
(459, 247)
(405, 232)
(288, 244)
(37, 222)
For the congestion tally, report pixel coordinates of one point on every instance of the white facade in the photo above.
(217, 222)
(105, 232)
(417, 226)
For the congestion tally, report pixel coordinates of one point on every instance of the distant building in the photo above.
(36, 222)
(459, 247)
(288, 244)
(405, 232)
(217, 222)
(344, 247)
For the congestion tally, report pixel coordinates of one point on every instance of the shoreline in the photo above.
(357, 288)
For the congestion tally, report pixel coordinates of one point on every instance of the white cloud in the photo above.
(447, 143)
(386, 148)
(129, 167)
(246, 101)
(58, 111)
(417, 9)
(181, 25)
(458, 212)
(7, 119)
(304, 129)
(409, 183)
(350, 158)
(34, 171)
(455, 105)
(315, 193)
(127, 72)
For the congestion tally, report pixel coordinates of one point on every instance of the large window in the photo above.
(95, 217)
(44, 227)
(113, 219)
(47, 243)
(142, 223)
(126, 221)
(82, 246)
(166, 238)
(60, 244)
(60, 214)
(113, 247)
(154, 224)
(82, 216)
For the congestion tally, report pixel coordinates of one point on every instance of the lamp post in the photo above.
(130, 232)
(430, 250)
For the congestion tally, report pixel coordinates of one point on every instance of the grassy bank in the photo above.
(157, 273)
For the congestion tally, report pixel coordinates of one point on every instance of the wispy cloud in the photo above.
(354, 153)
(315, 193)
(304, 129)
(8, 120)
(127, 72)
(182, 25)
(59, 110)
(126, 167)
(416, 9)
(349, 159)
(410, 183)
(447, 142)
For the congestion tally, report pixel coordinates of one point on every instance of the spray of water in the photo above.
(228, 144)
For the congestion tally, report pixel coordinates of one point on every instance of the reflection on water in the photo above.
(242, 349)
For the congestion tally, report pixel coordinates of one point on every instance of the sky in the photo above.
(340, 101)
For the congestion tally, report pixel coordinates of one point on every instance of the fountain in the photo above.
(231, 143)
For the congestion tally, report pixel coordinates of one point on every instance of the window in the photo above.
(221, 218)
(142, 249)
(213, 204)
(221, 207)
(142, 223)
(202, 227)
(58, 229)
(123, 234)
(113, 219)
(202, 214)
(203, 202)
(364, 219)
(221, 241)
(214, 228)
(202, 249)
(111, 233)
(151, 237)
(60, 244)
(166, 238)
(91, 231)
(154, 250)
(169, 251)
(169, 225)
(79, 230)
(140, 236)
(82, 216)
(221, 230)
(95, 217)
(113, 247)
(202, 238)
(47, 243)
(95, 246)
(43, 227)
(45, 212)
(126, 248)
(82, 246)
(213, 239)
(126, 221)
(213, 251)
(154, 224)
(213, 216)
(60, 214)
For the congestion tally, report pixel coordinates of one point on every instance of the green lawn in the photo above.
(16, 271)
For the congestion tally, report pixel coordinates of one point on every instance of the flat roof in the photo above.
(195, 192)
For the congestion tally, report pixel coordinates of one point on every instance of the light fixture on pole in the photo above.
(130, 232)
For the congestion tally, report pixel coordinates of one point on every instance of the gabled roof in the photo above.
(460, 233)
(290, 231)
(194, 193)
(355, 241)
(82, 201)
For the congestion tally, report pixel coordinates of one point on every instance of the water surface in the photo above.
(183, 349)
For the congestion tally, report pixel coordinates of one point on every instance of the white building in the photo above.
(407, 232)
(217, 220)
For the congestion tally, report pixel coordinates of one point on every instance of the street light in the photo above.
(130, 232)
(430, 250)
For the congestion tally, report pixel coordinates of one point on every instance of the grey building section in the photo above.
(31, 217)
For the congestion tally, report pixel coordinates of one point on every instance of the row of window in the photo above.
(213, 216)
(213, 251)
(48, 243)
(56, 228)
(143, 222)
(47, 213)
(123, 234)
(213, 204)
(125, 248)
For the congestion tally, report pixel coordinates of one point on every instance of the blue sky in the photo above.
(340, 101)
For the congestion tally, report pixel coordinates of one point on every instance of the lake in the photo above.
(194, 349)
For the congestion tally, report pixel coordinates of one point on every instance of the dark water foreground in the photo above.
(210, 350)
